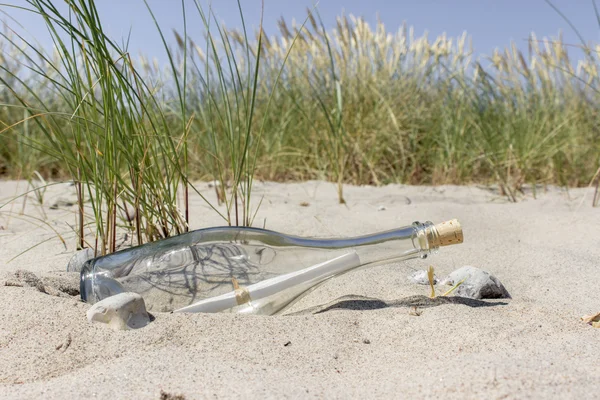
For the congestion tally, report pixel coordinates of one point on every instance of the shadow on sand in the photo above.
(361, 303)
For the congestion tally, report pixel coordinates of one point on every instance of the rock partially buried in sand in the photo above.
(76, 262)
(420, 278)
(478, 284)
(120, 312)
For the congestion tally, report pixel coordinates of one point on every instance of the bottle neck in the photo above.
(428, 237)
(413, 241)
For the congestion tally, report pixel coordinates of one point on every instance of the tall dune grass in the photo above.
(356, 104)
(362, 105)
(121, 136)
(418, 111)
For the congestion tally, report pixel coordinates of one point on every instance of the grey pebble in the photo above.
(62, 203)
(478, 284)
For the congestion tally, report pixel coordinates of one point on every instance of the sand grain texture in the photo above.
(545, 251)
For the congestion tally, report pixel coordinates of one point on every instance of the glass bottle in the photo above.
(249, 270)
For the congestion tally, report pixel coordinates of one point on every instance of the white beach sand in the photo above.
(546, 251)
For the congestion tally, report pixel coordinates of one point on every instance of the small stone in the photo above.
(62, 203)
(420, 278)
(170, 396)
(381, 208)
(120, 312)
(478, 284)
(366, 341)
(76, 262)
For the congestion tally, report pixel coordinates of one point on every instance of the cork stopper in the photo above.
(449, 233)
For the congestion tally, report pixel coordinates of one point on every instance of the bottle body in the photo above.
(239, 269)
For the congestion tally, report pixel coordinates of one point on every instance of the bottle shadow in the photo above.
(361, 303)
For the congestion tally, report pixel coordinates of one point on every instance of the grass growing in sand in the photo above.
(356, 103)
(353, 104)
(121, 134)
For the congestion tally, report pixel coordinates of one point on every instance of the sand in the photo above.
(546, 251)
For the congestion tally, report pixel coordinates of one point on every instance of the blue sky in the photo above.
(491, 23)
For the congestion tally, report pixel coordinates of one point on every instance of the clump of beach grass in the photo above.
(109, 129)
(224, 88)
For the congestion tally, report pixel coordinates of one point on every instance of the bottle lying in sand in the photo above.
(248, 270)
